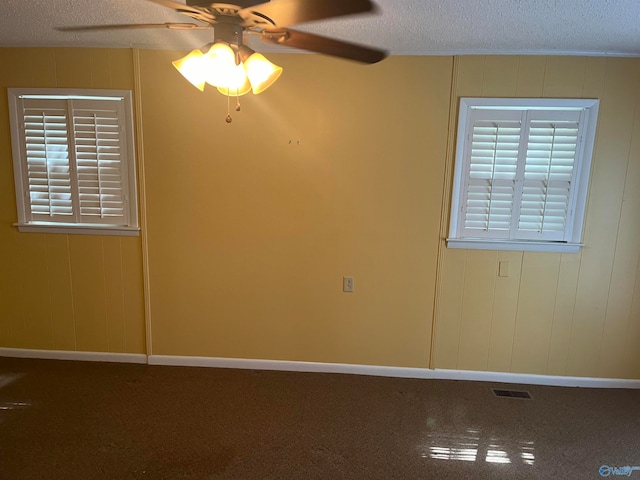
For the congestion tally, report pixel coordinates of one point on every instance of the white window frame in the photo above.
(73, 223)
(473, 108)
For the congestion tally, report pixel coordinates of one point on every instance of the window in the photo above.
(73, 158)
(522, 173)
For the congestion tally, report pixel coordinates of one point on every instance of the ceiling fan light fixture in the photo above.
(239, 84)
(191, 68)
(261, 72)
(235, 69)
(220, 65)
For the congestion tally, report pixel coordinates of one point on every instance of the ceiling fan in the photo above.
(269, 20)
(230, 65)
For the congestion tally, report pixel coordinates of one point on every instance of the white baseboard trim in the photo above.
(533, 379)
(316, 367)
(73, 355)
(400, 372)
(288, 366)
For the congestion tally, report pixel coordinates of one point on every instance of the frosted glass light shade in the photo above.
(261, 72)
(191, 67)
(239, 83)
(220, 65)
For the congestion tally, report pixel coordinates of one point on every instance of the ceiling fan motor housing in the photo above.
(229, 32)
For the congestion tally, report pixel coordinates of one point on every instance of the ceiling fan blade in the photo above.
(122, 26)
(236, 3)
(327, 46)
(291, 12)
(179, 7)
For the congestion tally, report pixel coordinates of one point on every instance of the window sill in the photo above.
(519, 246)
(74, 229)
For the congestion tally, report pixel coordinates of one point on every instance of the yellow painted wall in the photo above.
(336, 170)
(339, 169)
(65, 292)
(556, 314)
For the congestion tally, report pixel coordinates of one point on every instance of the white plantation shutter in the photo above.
(98, 153)
(551, 155)
(520, 173)
(75, 164)
(46, 146)
(491, 176)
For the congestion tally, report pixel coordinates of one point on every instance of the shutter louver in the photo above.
(99, 162)
(47, 160)
(491, 181)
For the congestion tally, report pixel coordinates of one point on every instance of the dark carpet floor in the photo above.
(76, 420)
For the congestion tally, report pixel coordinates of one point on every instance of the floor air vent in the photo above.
(511, 394)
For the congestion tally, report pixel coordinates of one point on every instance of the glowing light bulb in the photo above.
(220, 65)
(191, 67)
(238, 83)
(261, 72)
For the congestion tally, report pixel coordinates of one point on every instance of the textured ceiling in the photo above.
(413, 27)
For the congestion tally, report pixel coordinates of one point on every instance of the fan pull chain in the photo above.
(237, 99)
(228, 119)
(238, 61)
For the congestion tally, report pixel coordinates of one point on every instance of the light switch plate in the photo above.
(348, 284)
(503, 268)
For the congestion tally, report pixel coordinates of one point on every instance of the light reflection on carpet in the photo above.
(472, 445)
